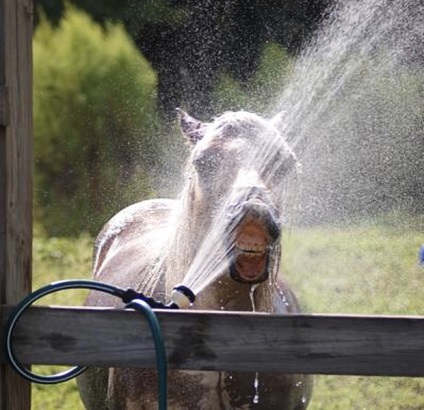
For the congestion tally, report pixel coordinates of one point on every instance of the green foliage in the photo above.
(188, 41)
(94, 121)
(229, 94)
(262, 90)
(272, 75)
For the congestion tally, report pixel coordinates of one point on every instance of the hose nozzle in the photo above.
(182, 296)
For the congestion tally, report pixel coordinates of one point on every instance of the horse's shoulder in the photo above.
(142, 209)
(131, 222)
(137, 214)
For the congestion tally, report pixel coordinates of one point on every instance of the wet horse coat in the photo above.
(151, 245)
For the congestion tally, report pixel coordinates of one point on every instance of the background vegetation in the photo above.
(104, 137)
(190, 43)
(361, 269)
(100, 140)
(95, 122)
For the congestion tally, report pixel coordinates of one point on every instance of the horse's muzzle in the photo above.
(254, 228)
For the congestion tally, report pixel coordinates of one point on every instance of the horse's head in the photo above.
(236, 170)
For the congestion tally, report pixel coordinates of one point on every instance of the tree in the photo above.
(95, 122)
(190, 43)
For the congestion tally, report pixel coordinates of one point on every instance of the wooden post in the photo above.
(16, 163)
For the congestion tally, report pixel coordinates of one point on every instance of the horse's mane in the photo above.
(179, 251)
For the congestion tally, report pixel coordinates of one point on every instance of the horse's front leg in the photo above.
(132, 389)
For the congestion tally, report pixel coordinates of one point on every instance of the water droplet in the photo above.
(252, 299)
(256, 386)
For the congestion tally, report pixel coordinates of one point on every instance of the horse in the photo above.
(151, 245)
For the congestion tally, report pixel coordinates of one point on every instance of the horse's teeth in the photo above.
(248, 248)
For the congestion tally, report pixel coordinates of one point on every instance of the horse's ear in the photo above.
(277, 119)
(191, 128)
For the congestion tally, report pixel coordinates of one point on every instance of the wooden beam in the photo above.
(15, 173)
(317, 344)
(4, 106)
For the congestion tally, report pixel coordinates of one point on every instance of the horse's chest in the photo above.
(227, 295)
(192, 390)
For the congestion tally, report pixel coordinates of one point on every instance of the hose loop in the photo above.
(133, 300)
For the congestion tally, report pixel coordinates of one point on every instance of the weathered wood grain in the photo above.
(348, 345)
(4, 106)
(15, 173)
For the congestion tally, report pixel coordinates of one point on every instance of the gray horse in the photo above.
(229, 214)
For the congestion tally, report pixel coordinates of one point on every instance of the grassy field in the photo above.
(364, 268)
(57, 259)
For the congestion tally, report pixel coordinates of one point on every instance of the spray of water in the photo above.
(351, 112)
(211, 258)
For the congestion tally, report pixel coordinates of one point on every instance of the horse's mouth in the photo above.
(250, 252)
(250, 266)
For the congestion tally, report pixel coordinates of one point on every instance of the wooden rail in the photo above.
(319, 344)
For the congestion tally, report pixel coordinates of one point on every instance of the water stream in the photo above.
(353, 114)
(256, 381)
(353, 111)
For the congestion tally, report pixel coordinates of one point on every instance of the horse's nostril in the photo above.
(253, 212)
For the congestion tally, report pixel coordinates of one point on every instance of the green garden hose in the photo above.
(132, 300)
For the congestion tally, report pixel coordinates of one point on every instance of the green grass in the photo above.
(362, 269)
(57, 259)
(356, 269)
